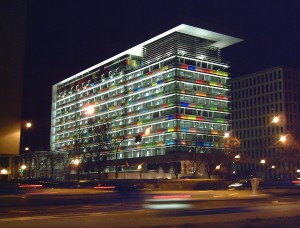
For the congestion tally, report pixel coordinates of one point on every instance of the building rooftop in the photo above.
(220, 41)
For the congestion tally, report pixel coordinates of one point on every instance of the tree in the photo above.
(231, 143)
(288, 153)
(290, 148)
(176, 166)
(195, 159)
(103, 147)
(37, 163)
(83, 143)
(211, 157)
(65, 158)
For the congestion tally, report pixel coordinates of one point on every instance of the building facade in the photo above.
(265, 116)
(176, 85)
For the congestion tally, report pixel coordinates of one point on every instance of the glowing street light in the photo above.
(26, 148)
(140, 169)
(147, 131)
(275, 119)
(282, 138)
(4, 171)
(218, 167)
(226, 135)
(90, 110)
(237, 156)
(76, 162)
(24, 127)
(263, 161)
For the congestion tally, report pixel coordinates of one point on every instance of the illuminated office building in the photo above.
(265, 107)
(175, 84)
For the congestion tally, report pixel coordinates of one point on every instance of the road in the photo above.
(90, 208)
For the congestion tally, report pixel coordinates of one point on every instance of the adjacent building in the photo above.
(172, 90)
(12, 71)
(265, 117)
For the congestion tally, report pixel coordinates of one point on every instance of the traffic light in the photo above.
(21, 172)
(138, 138)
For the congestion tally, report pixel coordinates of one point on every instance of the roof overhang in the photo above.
(220, 41)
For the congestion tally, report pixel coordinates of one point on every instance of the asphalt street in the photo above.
(94, 208)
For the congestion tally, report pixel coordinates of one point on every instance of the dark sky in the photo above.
(66, 37)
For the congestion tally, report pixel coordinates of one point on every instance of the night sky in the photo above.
(66, 37)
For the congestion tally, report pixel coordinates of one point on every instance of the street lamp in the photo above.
(89, 110)
(4, 171)
(140, 169)
(147, 131)
(138, 138)
(86, 111)
(282, 138)
(237, 159)
(76, 162)
(24, 128)
(116, 158)
(263, 162)
(275, 119)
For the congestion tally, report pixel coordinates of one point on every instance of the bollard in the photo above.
(254, 184)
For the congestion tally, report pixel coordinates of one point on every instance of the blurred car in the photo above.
(240, 185)
(168, 202)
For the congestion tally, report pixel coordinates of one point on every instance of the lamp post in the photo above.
(116, 158)
(275, 119)
(140, 170)
(226, 135)
(4, 171)
(138, 138)
(24, 128)
(282, 138)
(231, 144)
(263, 162)
(87, 111)
(77, 162)
(237, 160)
